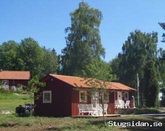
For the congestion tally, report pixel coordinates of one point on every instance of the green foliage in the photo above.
(150, 82)
(31, 55)
(8, 55)
(83, 40)
(146, 111)
(137, 50)
(139, 55)
(49, 62)
(161, 67)
(98, 69)
(114, 64)
(34, 84)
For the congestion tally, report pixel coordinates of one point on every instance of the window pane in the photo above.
(47, 96)
(83, 96)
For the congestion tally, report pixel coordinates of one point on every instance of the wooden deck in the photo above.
(89, 116)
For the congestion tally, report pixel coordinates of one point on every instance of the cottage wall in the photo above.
(61, 99)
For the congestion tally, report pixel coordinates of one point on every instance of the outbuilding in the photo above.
(13, 79)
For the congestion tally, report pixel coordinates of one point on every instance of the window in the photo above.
(5, 82)
(83, 96)
(47, 96)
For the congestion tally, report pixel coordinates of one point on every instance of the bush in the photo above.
(2, 90)
(146, 111)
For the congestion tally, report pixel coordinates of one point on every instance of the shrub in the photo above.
(146, 111)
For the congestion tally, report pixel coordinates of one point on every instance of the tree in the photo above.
(161, 63)
(162, 66)
(83, 42)
(137, 51)
(31, 55)
(8, 56)
(150, 82)
(115, 67)
(163, 27)
(50, 61)
(34, 85)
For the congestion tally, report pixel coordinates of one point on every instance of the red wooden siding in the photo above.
(18, 82)
(75, 102)
(61, 99)
(111, 104)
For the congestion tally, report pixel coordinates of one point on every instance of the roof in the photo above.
(14, 75)
(90, 82)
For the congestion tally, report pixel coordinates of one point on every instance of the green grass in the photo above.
(10, 122)
(9, 100)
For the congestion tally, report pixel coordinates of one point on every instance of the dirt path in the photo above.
(162, 109)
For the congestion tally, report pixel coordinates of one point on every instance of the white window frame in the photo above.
(80, 93)
(47, 101)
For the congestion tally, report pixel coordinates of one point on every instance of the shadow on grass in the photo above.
(83, 127)
(9, 124)
(13, 124)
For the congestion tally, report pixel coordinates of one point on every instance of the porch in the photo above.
(89, 109)
(112, 101)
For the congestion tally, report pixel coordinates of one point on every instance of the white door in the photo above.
(95, 103)
(95, 99)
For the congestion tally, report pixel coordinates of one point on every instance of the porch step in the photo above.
(89, 116)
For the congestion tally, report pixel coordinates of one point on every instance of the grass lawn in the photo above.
(9, 101)
(11, 122)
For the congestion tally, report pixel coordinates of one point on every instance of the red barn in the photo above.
(14, 78)
(73, 96)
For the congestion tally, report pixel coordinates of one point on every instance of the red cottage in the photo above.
(11, 79)
(73, 96)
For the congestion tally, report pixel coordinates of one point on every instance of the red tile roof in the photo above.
(89, 82)
(14, 75)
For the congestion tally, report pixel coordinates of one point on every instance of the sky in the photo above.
(46, 20)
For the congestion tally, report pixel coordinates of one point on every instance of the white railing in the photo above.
(89, 109)
(122, 104)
